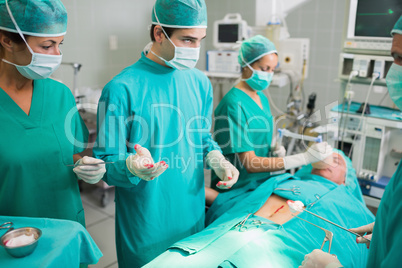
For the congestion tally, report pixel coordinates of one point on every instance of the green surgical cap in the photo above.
(180, 13)
(255, 48)
(34, 17)
(398, 27)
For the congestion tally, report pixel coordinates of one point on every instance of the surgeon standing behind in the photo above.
(159, 109)
(41, 130)
(244, 124)
(386, 232)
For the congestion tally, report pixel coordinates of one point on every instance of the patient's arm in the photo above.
(210, 195)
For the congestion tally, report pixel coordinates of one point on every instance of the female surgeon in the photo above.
(244, 123)
(386, 233)
(41, 130)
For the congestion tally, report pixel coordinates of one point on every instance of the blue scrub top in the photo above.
(168, 112)
(241, 126)
(386, 244)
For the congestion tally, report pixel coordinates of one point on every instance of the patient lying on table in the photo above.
(253, 226)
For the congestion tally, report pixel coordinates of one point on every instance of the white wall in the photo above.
(91, 22)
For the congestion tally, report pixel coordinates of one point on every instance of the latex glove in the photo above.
(90, 174)
(142, 164)
(320, 259)
(317, 152)
(223, 169)
(279, 151)
(362, 230)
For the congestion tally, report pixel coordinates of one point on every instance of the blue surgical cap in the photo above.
(255, 48)
(34, 17)
(180, 13)
(398, 27)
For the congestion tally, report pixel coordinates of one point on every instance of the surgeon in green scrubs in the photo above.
(244, 123)
(41, 130)
(386, 231)
(154, 122)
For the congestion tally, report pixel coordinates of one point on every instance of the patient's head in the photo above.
(335, 171)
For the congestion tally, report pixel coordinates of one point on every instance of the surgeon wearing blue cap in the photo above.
(386, 232)
(41, 130)
(154, 123)
(244, 124)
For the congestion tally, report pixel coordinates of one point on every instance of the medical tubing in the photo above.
(375, 76)
(287, 133)
(351, 75)
(271, 102)
(345, 121)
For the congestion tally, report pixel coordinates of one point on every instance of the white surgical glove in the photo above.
(362, 230)
(279, 151)
(142, 165)
(317, 152)
(320, 259)
(223, 169)
(91, 173)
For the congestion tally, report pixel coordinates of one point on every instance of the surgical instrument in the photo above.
(241, 224)
(92, 164)
(294, 189)
(328, 234)
(6, 225)
(343, 228)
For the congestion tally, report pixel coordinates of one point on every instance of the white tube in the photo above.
(287, 133)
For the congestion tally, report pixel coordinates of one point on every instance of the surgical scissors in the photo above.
(6, 225)
(243, 227)
(328, 234)
(295, 189)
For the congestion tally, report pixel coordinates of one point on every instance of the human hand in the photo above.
(89, 173)
(223, 169)
(279, 151)
(320, 259)
(362, 230)
(142, 164)
(317, 152)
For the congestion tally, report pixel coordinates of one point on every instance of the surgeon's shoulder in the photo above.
(200, 75)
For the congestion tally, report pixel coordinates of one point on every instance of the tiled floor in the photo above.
(100, 220)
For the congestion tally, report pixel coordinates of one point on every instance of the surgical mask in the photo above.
(259, 80)
(394, 83)
(41, 66)
(184, 57)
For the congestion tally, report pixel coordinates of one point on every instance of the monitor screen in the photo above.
(375, 18)
(228, 33)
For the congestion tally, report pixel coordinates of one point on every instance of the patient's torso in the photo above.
(275, 209)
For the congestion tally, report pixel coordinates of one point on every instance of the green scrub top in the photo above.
(242, 126)
(34, 152)
(168, 112)
(386, 244)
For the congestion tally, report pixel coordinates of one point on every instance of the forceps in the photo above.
(328, 234)
(295, 189)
